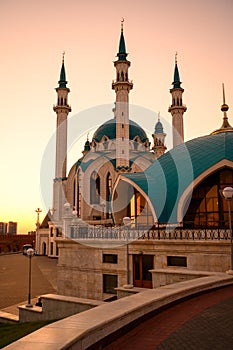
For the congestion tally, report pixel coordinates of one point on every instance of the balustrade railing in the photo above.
(123, 233)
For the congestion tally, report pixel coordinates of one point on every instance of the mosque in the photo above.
(168, 204)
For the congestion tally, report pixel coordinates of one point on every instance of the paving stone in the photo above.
(203, 322)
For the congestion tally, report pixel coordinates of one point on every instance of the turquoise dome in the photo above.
(108, 129)
(171, 174)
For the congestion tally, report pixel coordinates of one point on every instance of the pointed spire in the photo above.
(224, 108)
(176, 83)
(87, 146)
(158, 126)
(62, 82)
(122, 49)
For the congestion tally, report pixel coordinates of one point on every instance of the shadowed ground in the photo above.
(14, 278)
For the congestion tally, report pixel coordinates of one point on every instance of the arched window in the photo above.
(74, 193)
(207, 207)
(108, 193)
(94, 188)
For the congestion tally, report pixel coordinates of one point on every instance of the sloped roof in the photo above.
(167, 178)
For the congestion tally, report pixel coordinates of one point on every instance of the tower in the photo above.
(62, 110)
(177, 108)
(122, 86)
(159, 137)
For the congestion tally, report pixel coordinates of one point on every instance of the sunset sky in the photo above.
(33, 35)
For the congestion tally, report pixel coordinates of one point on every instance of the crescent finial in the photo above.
(122, 21)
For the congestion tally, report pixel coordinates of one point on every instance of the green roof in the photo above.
(109, 129)
(167, 178)
(122, 50)
(62, 82)
(176, 83)
(158, 128)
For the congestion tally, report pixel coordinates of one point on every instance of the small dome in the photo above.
(159, 128)
(108, 129)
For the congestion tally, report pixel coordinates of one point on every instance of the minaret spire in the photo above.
(176, 83)
(62, 110)
(177, 107)
(62, 82)
(122, 47)
(122, 86)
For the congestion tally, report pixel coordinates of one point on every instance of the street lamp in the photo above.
(228, 194)
(30, 253)
(127, 222)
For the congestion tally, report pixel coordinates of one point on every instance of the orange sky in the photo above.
(33, 35)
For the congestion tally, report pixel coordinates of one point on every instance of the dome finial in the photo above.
(176, 54)
(224, 108)
(122, 24)
(63, 56)
(159, 116)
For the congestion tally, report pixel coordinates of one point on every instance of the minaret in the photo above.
(62, 110)
(177, 108)
(122, 86)
(159, 139)
(226, 127)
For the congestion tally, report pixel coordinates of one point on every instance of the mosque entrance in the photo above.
(142, 278)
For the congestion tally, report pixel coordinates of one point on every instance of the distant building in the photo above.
(3, 228)
(12, 228)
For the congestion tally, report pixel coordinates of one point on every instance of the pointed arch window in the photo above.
(74, 192)
(94, 188)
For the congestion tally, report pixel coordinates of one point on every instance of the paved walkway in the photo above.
(14, 279)
(201, 323)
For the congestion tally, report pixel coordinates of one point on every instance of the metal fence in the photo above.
(166, 233)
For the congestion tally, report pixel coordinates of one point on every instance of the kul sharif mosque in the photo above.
(122, 175)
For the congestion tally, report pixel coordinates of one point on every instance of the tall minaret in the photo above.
(62, 110)
(122, 86)
(177, 108)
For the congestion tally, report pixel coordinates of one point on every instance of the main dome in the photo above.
(108, 129)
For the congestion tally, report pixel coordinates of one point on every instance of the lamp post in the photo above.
(228, 194)
(30, 253)
(127, 222)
